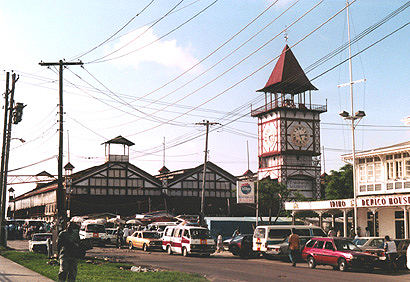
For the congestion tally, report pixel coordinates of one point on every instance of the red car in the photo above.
(340, 253)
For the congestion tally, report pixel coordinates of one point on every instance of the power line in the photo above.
(141, 34)
(156, 40)
(114, 34)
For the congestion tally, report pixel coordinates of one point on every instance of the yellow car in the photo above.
(145, 240)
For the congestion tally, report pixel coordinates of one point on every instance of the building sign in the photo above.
(299, 184)
(384, 201)
(245, 192)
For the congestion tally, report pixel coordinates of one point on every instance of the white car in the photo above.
(38, 242)
(111, 235)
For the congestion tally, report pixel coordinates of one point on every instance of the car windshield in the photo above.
(200, 234)
(96, 228)
(344, 245)
(41, 237)
(302, 232)
(360, 242)
(150, 235)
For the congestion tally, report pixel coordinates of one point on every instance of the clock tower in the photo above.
(289, 129)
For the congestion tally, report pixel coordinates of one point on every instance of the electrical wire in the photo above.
(114, 34)
(156, 40)
(141, 34)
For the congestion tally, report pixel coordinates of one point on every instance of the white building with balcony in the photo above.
(382, 196)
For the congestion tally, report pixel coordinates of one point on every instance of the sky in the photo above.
(155, 69)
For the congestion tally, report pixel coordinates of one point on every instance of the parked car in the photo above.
(145, 240)
(340, 253)
(187, 240)
(94, 232)
(38, 242)
(281, 250)
(159, 226)
(269, 235)
(241, 245)
(111, 235)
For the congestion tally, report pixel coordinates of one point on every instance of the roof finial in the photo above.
(285, 35)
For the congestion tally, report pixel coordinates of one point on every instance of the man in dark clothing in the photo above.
(68, 244)
(294, 243)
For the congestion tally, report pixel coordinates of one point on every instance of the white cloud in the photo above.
(163, 52)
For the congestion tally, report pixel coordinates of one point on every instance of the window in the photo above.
(310, 243)
(370, 170)
(329, 246)
(408, 168)
(278, 233)
(390, 170)
(302, 232)
(319, 244)
(260, 233)
(378, 171)
(362, 173)
(399, 169)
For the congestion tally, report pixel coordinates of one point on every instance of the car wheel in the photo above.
(311, 262)
(130, 246)
(342, 264)
(169, 251)
(145, 248)
(184, 252)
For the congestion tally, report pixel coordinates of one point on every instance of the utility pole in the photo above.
(207, 124)
(61, 213)
(8, 110)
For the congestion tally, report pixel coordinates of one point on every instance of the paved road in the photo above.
(225, 267)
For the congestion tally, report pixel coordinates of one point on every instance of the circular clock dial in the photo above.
(268, 138)
(299, 136)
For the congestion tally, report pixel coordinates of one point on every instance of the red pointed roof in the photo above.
(287, 76)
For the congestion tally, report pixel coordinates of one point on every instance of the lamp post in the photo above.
(357, 117)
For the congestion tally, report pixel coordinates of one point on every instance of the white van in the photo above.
(269, 235)
(188, 240)
(159, 226)
(95, 232)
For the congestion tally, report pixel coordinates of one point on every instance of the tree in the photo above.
(339, 184)
(272, 196)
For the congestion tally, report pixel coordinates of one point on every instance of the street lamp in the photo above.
(357, 117)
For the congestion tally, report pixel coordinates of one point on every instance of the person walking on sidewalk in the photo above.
(68, 244)
(391, 253)
(294, 243)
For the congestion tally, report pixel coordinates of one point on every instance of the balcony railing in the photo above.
(289, 104)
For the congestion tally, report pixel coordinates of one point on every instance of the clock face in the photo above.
(299, 136)
(268, 137)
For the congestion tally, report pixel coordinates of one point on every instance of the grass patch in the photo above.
(99, 270)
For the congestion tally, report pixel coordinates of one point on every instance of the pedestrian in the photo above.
(236, 232)
(219, 243)
(391, 252)
(68, 246)
(125, 234)
(338, 234)
(118, 238)
(367, 232)
(408, 257)
(331, 232)
(294, 243)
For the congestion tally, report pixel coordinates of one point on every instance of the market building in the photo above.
(121, 188)
(382, 196)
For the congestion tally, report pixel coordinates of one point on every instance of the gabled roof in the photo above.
(119, 140)
(287, 77)
(80, 175)
(176, 176)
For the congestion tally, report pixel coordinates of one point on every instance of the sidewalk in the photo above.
(11, 271)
